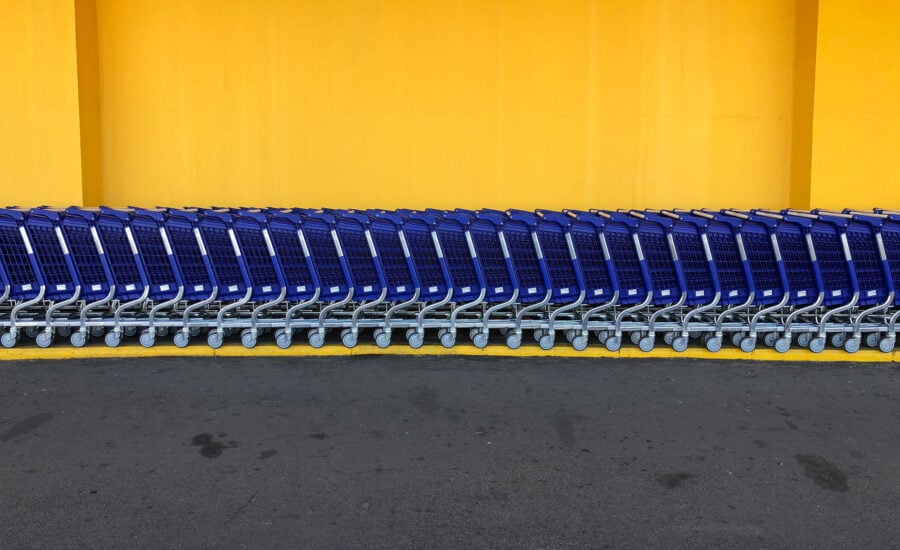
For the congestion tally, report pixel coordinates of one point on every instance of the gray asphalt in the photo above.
(400, 452)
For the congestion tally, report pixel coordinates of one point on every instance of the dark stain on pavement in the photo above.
(28, 425)
(673, 480)
(825, 473)
(209, 447)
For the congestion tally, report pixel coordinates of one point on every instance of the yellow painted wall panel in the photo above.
(856, 121)
(39, 137)
(527, 103)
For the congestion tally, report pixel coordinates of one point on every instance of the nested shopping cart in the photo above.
(25, 287)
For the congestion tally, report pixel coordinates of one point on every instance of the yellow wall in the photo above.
(39, 136)
(856, 129)
(427, 103)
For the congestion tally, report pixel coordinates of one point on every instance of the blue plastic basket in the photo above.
(496, 266)
(399, 271)
(162, 273)
(190, 254)
(258, 255)
(422, 249)
(364, 266)
(18, 258)
(529, 271)
(87, 253)
(463, 268)
(122, 254)
(329, 265)
(230, 272)
(596, 271)
(298, 271)
(52, 253)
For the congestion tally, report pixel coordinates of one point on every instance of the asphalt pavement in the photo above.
(448, 452)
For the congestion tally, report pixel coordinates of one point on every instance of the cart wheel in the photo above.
(580, 343)
(97, 332)
(669, 338)
(770, 339)
(162, 332)
(195, 331)
(181, 339)
(248, 339)
(348, 338)
(635, 337)
(448, 339)
(538, 334)
(282, 338)
(442, 332)
(838, 339)
(416, 339)
(737, 337)
(886, 345)
(680, 344)
(65, 332)
(803, 339)
(852, 344)
(316, 338)
(44, 339)
(32, 332)
(148, 338)
(129, 331)
(513, 340)
(382, 339)
(571, 334)
(817, 345)
(872, 339)
(646, 343)
(473, 332)
(714, 344)
(782, 345)
(410, 332)
(546, 342)
(614, 343)
(215, 339)
(695, 334)
(113, 338)
(602, 335)
(79, 338)
(748, 344)
(504, 331)
(480, 340)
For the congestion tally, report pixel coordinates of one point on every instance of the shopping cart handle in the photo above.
(701, 222)
(429, 219)
(258, 217)
(389, 216)
(630, 221)
(806, 223)
(588, 217)
(837, 221)
(155, 215)
(52, 215)
(88, 215)
(555, 217)
(327, 218)
(489, 216)
(462, 219)
(664, 221)
(361, 219)
(522, 216)
(123, 215)
(191, 217)
(871, 219)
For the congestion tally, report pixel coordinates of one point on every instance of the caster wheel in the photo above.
(316, 339)
(571, 334)
(148, 338)
(228, 332)
(129, 331)
(416, 339)
(410, 332)
(97, 332)
(249, 339)
(65, 332)
(580, 343)
(886, 345)
(803, 339)
(714, 344)
(44, 339)
(872, 339)
(695, 334)
(546, 342)
(195, 331)
(349, 339)
(382, 339)
(669, 338)
(817, 345)
(680, 344)
(282, 338)
(32, 332)
(473, 332)
(162, 332)
(782, 345)
(504, 331)
(852, 344)
(614, 343)
(113, 338)
(480, 340)
(181, 339)
(646, 343)
(538, 334)
(602, 335)
(736, 338)
(748, 344)
(215, 339)
(448, 339)
(635, 337)
(441, 332)
(513, 340)
(78, 338)
(838, 339)
(770, 339)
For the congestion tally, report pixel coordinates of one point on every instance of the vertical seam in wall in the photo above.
(88, 75)
(804, 85)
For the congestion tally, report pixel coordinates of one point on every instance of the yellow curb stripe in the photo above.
(200, 349)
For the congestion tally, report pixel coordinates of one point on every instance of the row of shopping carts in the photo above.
(780, 277)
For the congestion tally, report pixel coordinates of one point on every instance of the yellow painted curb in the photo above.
(200, 349)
